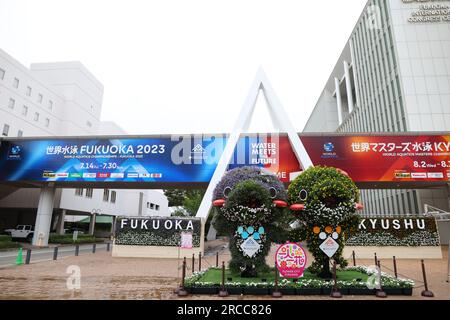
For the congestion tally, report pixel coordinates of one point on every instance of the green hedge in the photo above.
(68, 239)
(4, 238)
(8, 245)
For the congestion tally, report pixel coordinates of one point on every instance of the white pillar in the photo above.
(62, 217)
(113, 225)
(44, 216)
(338, 100)
(92, 224)
(348, 85)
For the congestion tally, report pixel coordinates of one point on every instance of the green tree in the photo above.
(190, 199)
(175, 197)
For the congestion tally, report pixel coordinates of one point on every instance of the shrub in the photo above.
(4, 238)
(68, 239)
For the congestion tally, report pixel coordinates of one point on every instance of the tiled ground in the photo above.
(104, 277)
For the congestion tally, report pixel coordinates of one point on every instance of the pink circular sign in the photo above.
(291, 260)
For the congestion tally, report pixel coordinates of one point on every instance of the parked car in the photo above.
(22, 231)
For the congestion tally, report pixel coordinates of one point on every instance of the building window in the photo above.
(28, 92)
(89, 193)
(106, 195)
(152, 206)
(36, 116)
(50, 104)
(2, 74)
(16, 83)
(20, 133)
(47, 122)
(5, 130)
(113, 196)
(148, 205)
(89, 124)
(24, 110)
(11, 103)
(79, 192)
(40, 97)
(157, 207)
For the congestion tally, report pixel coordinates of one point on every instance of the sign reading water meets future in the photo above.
(156, 231)
(193, 159)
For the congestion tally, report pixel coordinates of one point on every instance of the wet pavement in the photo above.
(104, 277)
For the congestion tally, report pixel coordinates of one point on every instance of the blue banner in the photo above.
(169, 160)
(175, 159)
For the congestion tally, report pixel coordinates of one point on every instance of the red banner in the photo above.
(372, 158)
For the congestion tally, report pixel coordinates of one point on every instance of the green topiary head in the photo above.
(323, 185)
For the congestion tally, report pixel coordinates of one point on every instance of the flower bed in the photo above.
(353, 281)
(421, 232)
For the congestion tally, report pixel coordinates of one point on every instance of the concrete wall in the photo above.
(127, 202)
(325, 115)
(444, 231)
(424, 63)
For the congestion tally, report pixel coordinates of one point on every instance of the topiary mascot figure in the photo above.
(325, 201)
(250, 206)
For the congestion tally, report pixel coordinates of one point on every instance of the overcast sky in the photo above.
(186, 66)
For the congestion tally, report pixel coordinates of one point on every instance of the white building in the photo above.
(392, 76)
(61, 99)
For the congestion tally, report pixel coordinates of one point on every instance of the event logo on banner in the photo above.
(290, 259)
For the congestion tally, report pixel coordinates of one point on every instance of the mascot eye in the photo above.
(303, 195)
(273, 192)
(226, 192)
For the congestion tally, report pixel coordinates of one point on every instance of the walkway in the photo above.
(104, 277)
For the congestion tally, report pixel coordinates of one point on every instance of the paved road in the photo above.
(8, 258)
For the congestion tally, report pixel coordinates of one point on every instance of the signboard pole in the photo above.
(178, 268)
(75, 236)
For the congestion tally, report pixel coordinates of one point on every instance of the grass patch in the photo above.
(215, 276)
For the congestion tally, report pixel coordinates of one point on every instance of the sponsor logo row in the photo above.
(421, 175)
(101, 175)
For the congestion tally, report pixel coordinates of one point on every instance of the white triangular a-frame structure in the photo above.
(280, 120)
